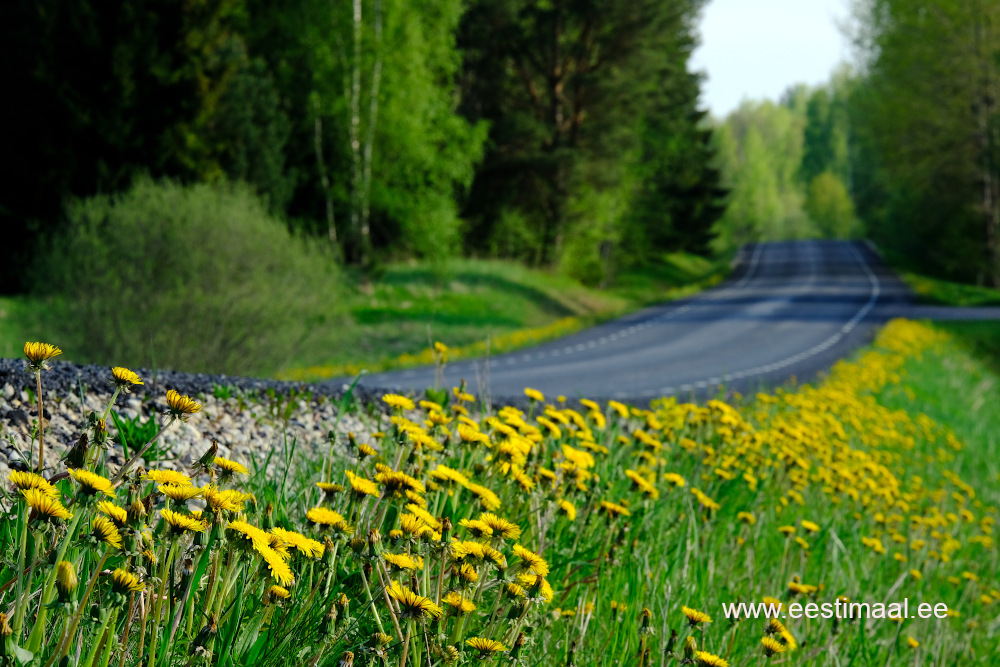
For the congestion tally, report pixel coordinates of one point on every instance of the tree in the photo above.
(577, 93)
(761, 149)
(829, 205)
(926, 115)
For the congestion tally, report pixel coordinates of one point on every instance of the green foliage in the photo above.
(134, 433)
(981, 340)
(196, 278)
(760, 146)
(568, 127)
(829, 205)
(925, 117)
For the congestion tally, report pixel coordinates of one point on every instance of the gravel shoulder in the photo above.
(248, 424)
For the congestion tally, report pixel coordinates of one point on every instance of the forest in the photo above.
(386, 128)
(239, 160)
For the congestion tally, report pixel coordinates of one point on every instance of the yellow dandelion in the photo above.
(224, 500)
(423, 515)
(706, 659)
(400, 561)
(279, 592)
(180, 405)
(329, 489)
(674, 478)
(279, 569)
(39, 353)
(168, 477)
(566, 508)
(23, 481)
(126, 582)
(412, 605)
(180, 523)
(179, 493)
(459, 603)
(810, 526)
(106, 532)
(446, 474)
(117, 514)
(397, 483)
(642, 484)
(489, 500)
(301, 543)
(787, 531)
(124, 379)
(398, 402)
(502, 527)
(771, 646)
(534, 395)
(468, 574)
(91, 483)
(227, 467)
(477, 528)
(531, 561)
(413, 525)
(66, 577)
(486, 647)
(361, 486)
(614, 509)
(322, 516)
(695, 617)
(746, 517)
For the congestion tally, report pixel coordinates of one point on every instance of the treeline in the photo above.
(559, 133)
(788, 165)
(904, 148)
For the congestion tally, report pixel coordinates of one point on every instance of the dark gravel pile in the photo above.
(65, 377)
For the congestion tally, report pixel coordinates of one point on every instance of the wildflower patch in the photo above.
(598, 535)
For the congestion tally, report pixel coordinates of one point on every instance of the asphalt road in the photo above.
(792, 309)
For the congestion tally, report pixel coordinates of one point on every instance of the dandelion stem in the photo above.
(371, 602)
(22, 582)
(406, 644)
(388, 602)
(98, 641)
(128, 627)
(114, 397)
(41, 422)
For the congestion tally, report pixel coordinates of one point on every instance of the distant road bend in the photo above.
(791, 309)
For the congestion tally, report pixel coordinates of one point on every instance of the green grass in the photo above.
(947, 293)
(20, 318)
(955, 384)
(459, 302)
(464, 301)
(978, 339)
(868, 456)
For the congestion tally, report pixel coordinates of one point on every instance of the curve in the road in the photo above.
(792, 309)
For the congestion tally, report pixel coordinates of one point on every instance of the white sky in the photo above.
(757, 48)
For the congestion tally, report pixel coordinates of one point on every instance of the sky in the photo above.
(757, 48)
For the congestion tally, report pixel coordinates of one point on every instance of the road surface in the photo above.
(792, 309)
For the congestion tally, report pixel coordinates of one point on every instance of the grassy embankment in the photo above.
(878, 484)
(981, 338)
(393, 319)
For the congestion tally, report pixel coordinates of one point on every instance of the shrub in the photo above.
(198, 278)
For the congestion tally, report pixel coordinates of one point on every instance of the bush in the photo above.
(197, 278)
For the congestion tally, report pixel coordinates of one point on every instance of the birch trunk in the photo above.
(355, 129)
(373, 93)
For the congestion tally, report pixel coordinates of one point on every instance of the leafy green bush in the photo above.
(196, 278)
